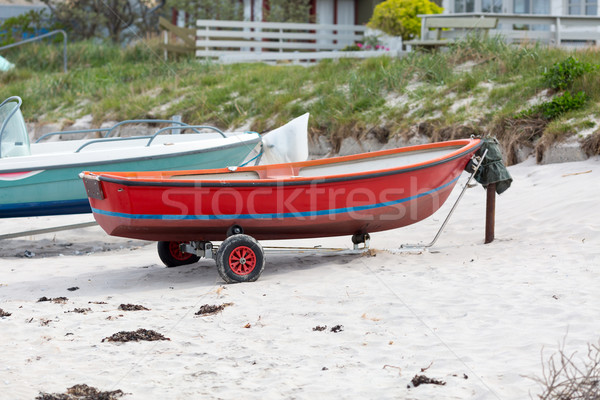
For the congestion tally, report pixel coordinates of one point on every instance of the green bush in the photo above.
(209, 9)
(557, 106)
(13, 29)
(86, 19)
(562, 74)
(399, 17)
(288, 11)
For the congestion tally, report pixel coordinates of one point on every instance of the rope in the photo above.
(260, 153)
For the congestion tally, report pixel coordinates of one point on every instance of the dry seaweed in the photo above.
(135, 336)
(79, 310)
(58, 300)
(319, 328)
(207, 309)
(422, 380)
(81, 392)
(133, 307)
(4, 313)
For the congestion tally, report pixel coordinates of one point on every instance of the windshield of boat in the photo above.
(14, 140)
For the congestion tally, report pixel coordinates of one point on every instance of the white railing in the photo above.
(247, 41)
(550, 29)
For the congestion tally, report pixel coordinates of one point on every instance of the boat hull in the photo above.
(283, 208)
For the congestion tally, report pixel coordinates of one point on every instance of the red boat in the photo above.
(350, 195)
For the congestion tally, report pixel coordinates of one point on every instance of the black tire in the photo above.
(171, 255)
(240, 258)
(359, 238)
(235, 230)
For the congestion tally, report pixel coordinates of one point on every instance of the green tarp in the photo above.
(493, 169)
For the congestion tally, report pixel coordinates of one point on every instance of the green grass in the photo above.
(345, 97)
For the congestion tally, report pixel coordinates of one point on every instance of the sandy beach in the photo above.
(317, 324)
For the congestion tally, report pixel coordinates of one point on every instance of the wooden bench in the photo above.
(438, 24)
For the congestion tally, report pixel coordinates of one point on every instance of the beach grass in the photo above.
(345, 97)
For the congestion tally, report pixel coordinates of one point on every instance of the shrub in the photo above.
(399, 17)
(557, 106)
(209, 9)
(565, 378)
(87, 19)
(562, 74)
(288, 11)
(31, 23)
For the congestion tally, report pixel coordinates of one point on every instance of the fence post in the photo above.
(166, 42)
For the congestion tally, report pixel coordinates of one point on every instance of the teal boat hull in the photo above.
(59, 190)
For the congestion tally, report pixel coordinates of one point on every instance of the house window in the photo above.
(491, 6)
(532, 7)
(583, 7)
(462, 6)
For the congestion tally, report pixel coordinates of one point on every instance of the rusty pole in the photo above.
(490, 213)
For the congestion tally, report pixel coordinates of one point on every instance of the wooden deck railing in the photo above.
(177, 39)
(557, 30)
(246, 41)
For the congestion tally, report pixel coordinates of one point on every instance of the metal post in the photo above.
(558, 38)
(64, 50)
(490, 213)
(177, 119)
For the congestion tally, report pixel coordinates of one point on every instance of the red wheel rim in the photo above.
(242, 260)
(176, 252)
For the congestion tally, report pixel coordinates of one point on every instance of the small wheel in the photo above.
(359, 238)
(240, 258)
(235, 230)
(171, 255)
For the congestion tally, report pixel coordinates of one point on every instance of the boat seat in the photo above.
(281, 172)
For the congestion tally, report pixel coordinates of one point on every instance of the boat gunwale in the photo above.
(469, 146)
(252, 142)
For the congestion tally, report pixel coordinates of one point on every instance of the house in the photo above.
(545, 7)
(573, 23)
(13, 8)
(337, 12)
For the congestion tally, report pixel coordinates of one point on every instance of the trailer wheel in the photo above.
(172, 256)
(240, 259)
(359, 238)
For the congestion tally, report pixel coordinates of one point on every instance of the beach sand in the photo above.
(472, 315)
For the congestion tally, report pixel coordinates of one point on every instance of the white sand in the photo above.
(462, 308)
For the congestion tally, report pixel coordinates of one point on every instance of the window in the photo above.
(462, 6)
(583, 7)
(533, 6)
(491, 6)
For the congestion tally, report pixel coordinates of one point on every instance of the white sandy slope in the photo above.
(461, 309)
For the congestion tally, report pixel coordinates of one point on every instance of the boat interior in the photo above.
(344, 166)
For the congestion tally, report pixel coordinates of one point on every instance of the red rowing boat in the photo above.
(350, 195)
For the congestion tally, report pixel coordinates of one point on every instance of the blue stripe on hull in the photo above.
(206, 217)
(37, 209)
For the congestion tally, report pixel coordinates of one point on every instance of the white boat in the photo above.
(42, 178)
